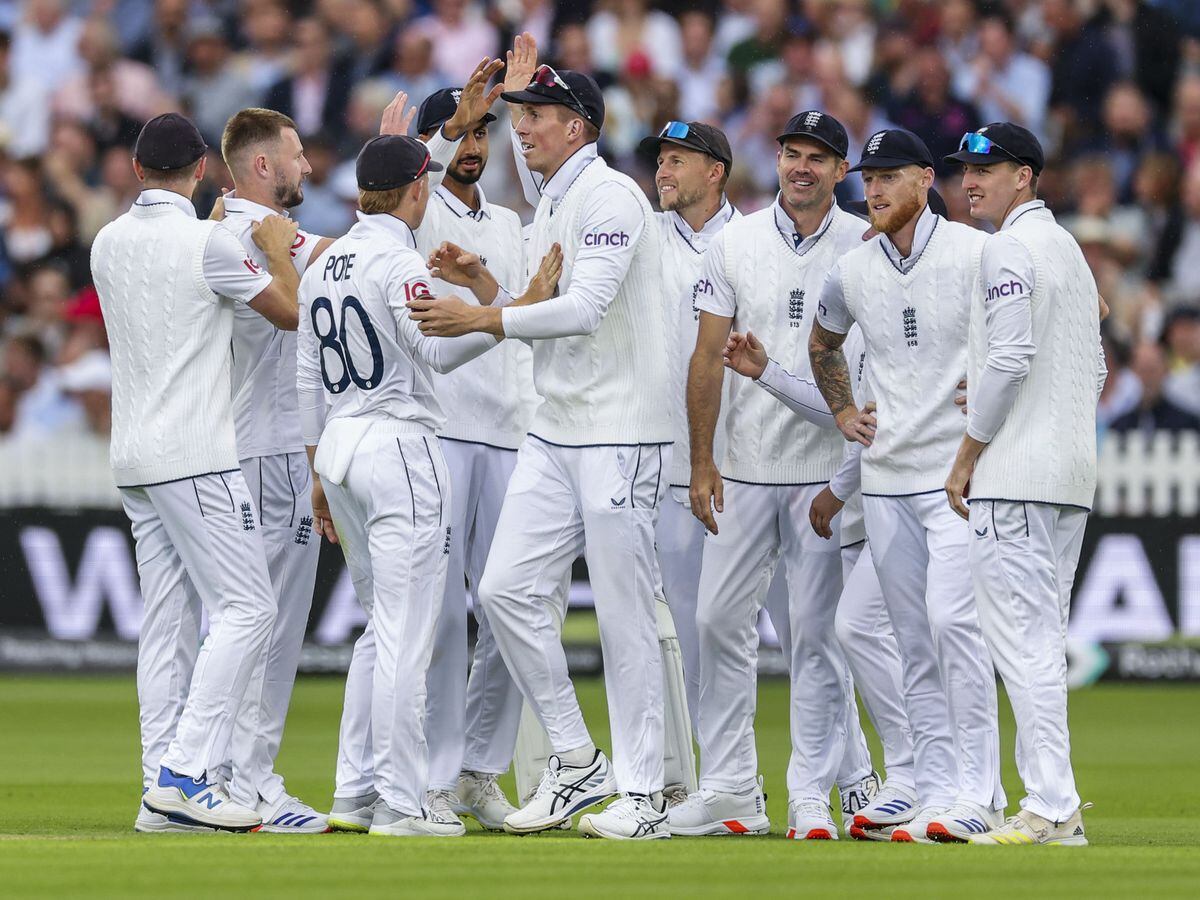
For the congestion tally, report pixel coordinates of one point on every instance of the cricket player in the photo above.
(863, 627)
(757, 275)
(168, 286)
(908, 289)
(264, 155)
(378, 459)
(471, 725)
(589, 477)
(1028, 461)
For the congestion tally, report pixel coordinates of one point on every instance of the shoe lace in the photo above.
(489, 788)
(548, 782)
(810, 808)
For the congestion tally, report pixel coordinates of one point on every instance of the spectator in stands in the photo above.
(931, 112)
(1174, 265)
(770, 26)
(48, 297)
(1147, 44)
(315, 94)
(1122, 390)
(26, 216)
(135, 89)
(266, 29)
(323, 211)
(165, 48)
(1181, 337)
(1156, 192)
(461, 36)
(794, 69)
(24, 110)
(1005, 83)
(214, 90)
(1154, 412)
(701, 70)
(1185, 125)
(1084, 67)
(88, 382)
(1129, 133)
(958, 33)
(852, 29)
(42, 409)
(628, 28)
(109, 125)
(412, 68)
(1094, 188)
(45, 44)
(371, 37)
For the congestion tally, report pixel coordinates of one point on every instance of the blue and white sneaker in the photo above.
(291, 816)
(634, 817)
(563, 792)
(148, 822)
(857, 797)
(963, 821)
(197, 801)
(893, 806)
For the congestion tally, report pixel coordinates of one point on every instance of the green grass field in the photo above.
(69, 776)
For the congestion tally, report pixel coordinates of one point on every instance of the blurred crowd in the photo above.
(1112, 87)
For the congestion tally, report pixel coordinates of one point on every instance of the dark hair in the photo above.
(252, 127)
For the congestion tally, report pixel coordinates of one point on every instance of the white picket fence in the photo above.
(1139, 475)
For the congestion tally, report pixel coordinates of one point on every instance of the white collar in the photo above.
(787, 227)
(156, 196)
(395, 228)
(461, 209)
(926, 223)
(249, 208)
(708, 230)
(556, 187)
(1028, 206)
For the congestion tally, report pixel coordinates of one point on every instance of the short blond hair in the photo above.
(381, 201)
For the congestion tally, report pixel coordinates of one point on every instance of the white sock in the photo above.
(578, 757)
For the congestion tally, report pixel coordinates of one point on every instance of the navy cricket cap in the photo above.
(693, 136)
(820, 127)
(937, 206)
(439, 107)
(892, 148)
(391, 161)
(1000, 142)
(574, 90)
(168, 142)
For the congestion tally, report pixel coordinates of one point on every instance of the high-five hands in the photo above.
(396, 118)
(745, 355)
(475, 100)
(544, 283)
(453, 264)
(520, 62)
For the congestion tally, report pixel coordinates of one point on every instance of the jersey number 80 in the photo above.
(333, 341)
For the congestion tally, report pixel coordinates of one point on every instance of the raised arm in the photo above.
(520, 64)
(746, 356)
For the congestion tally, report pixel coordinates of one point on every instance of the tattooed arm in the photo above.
(829, 363)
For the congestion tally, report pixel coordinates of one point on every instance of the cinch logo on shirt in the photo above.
(1014, 287)
(606, 239)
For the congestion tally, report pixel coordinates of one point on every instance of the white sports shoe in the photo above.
(963, 821)
(389, 823)
(675, 794)
(811, 820)
(439, 807)
(354, 813)
(857, 797)
(893, 805)
(291, 816)
(634, 817)
(479, 796)
(197, 801)
(148, 822)
(916, 831)
(715, 813)
(563, 792)
(1029, 828)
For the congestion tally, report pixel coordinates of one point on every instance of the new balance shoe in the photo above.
(716, 813)
(810, 820)
(857, 797)
(439, 808)
(632, 817)
(291, 816)
(893, 805)
(390, 823)
(917, 831)
(1029, 828)
(354, 814)
(148, 822)
(963, 821)
(562, 792)
(479, 796)
(197, 801)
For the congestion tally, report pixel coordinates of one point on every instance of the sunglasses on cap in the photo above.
(679, 131)
(974, 142)
(546, 77)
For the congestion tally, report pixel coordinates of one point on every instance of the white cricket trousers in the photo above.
(197, 539)
(1023, 559)
(601, 501)
(761, 525)
(281, 486)
(470, 724)
(392, 514)
(919, 546)
(865, 633)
